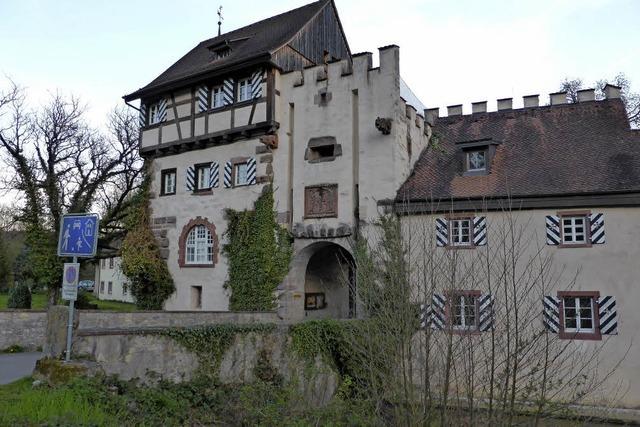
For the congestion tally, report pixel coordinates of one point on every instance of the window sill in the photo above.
(570, 246)
(197, 266)
(167, 194)
(206, 192)
(464, 332)
(465, 247)
(584, 336)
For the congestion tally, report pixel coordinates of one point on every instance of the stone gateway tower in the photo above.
(280, 102)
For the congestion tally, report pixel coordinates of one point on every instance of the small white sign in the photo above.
(70, 281)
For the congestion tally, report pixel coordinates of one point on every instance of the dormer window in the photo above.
(477, 156)
(476, 161)
(221, 53)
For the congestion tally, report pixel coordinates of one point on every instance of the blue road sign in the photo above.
(78, 235)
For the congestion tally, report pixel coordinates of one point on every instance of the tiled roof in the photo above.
(570, 149)
(258, 39)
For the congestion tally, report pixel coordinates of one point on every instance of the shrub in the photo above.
(150, 283)
(84, 303)
(19, 297)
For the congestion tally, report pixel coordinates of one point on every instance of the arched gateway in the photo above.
(320, 284)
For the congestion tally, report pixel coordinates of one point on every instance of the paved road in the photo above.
(16, 366)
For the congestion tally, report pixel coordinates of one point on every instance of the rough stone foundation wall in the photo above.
(111, 319)
(25, 328)
(142, 354)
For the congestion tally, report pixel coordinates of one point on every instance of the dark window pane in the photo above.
(570, 323)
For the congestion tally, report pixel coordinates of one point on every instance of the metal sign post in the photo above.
(78, 238)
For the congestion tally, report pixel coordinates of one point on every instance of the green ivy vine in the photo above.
(150, 281)
(258, 251)
(210, 342)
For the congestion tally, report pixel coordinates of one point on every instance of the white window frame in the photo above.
(578, 314)
(456, 227)
(465, 301)
(202, 177)
(199, 246)
(236, 174)
(169, 178)
(570, 225)
(244, 90)
(217, 97)
(484, 161)
(154, 118)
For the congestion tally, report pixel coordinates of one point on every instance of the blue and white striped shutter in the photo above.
(202, 96)
(438, 312)
(608, 315)
(162, 110)
(553, 229)
(251, 171)
(597, 228)
(479, 231)
(442, 232)
(256, 84)
(227, 91)
(227, 174)
(190, 181)
(485, 304)
(551, 313)
(425, 316)
(213, 175)
(142, 118)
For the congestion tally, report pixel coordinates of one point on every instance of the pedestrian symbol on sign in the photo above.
(78, 235)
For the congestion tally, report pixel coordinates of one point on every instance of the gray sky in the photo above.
(451, 51)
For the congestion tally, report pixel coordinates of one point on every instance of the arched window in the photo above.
(199, 246)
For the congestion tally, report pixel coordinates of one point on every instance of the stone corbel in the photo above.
(270, 141)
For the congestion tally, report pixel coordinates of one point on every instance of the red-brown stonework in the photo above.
(183, 241)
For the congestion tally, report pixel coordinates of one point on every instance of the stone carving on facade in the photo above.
(383, 125)
(321, 201)
(320, 231)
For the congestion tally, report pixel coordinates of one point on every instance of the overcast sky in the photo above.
(451, 52)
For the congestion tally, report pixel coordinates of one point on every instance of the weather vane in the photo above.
(220, 19)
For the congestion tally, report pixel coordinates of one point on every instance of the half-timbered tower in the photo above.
(281, 101)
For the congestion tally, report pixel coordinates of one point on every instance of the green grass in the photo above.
(21, 404)
(107, 401)
(39, 302)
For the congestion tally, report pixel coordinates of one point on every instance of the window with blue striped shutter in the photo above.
(202, 97)
(190, 179)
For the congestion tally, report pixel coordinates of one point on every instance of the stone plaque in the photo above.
(321, 201)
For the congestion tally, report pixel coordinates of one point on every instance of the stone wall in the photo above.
(142, 354)
(89, 319)
(25, 328)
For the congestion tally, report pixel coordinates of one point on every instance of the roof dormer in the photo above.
(477, 156)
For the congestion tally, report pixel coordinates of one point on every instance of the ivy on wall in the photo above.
(211, 342)
(258, 251)
(150, 281)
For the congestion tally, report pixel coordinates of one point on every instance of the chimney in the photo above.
(505, 104)
(454, 110)
(558, 98)
(479, 107)
(611, 91)
(531, 101)
(586, 95)
(431, 114)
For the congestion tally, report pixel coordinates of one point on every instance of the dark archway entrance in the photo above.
(330, 283)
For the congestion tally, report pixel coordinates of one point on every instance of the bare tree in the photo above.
(630, 99)
(505, 366)
(57, 163)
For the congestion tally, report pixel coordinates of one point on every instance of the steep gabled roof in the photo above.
(255, 42)
(572, 149)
